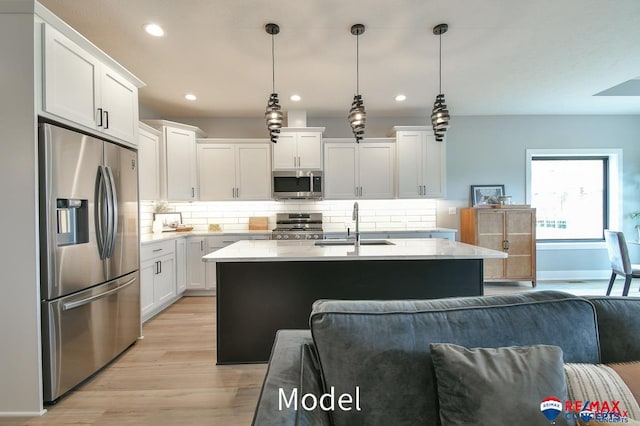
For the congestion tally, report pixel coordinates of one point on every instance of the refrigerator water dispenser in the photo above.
(73, 221)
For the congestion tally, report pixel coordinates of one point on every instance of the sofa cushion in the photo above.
(598, 384)
(488, 386)
(383, 346)
(618, 325)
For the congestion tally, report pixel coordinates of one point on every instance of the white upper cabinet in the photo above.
(233, 170)
(364, 170)
(298, 148)
(340, 170)
(178, 164)
(149, 162)
(253, 172)
(180, 160)
(119, 103)
(70, 79)
(81, 89)
(421, 163)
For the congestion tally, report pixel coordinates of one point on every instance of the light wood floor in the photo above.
(170, 377)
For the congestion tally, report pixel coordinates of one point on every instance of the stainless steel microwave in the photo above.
(304, 184)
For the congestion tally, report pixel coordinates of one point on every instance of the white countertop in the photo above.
(151, 238)
(402, 249)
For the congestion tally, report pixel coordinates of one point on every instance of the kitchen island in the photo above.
(264, 286)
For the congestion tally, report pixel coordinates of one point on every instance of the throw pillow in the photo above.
(629, 372)
(603, 389)
(500, 386)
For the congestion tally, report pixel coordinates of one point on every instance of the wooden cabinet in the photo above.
(157, 277)
(421, 163)
(233, 171)
(298, 148)
(149, 162)
(80, 88)
(511, 230)
(178, 164)
(364, 170)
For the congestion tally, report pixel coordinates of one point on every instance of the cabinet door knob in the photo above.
(99, 117)
(106, 119)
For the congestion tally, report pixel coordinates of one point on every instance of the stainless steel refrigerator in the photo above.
(89, 255)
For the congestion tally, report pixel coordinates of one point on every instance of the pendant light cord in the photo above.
(440, 65)
(357, 64)
(273, 65)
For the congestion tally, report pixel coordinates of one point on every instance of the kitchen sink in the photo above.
(336, 242)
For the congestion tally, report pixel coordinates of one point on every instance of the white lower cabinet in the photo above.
(201, 276)
(196, 277)
(181, 265)
(157, 277)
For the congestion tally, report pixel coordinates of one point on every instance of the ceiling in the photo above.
(499, 56)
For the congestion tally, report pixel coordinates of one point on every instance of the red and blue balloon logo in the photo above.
(551, 407)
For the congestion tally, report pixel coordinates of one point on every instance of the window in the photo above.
(575, 193)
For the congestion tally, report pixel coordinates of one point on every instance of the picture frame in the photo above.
(170, 221)
(486, 194)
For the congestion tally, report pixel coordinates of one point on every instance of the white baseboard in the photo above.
(22, 413)
(590, 274)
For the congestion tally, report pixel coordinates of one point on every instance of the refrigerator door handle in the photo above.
(101, 212)
(111, 237)
(77, 304)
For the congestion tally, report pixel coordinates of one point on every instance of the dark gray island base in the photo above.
(255, 299)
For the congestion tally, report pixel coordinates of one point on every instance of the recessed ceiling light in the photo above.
(154, 29)
(295, 98)
(190, 97)
(400, 98)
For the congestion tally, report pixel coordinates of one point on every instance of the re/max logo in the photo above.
(596, 407)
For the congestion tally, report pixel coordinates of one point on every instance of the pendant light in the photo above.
(440, 115)
(357, 114)
(273, 114)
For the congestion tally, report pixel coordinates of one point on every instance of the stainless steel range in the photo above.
(298, 226)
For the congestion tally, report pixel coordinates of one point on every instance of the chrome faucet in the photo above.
(356, 217)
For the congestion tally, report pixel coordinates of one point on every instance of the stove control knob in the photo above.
(286, 237)
(308, 237)
(315, 236)
(278, 237)
(297, 236)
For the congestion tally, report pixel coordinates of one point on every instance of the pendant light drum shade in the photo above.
(440, 115)
(273, 114)
(357, 114)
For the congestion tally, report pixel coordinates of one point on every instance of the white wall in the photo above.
(20, 377)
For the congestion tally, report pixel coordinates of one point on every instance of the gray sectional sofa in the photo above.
(375, 355)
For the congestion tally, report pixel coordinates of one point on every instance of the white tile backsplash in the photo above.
(234, 215)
